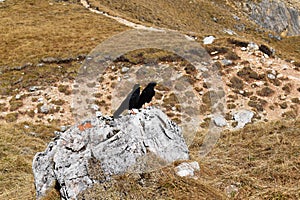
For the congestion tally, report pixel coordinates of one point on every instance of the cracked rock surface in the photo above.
(93, 151)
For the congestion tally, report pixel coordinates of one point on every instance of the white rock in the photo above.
(40, 100)
(44, 108)
(187, 169)
(271, 76)
(252, 46)
(243, 48)
(95, 107)
(208, 40)
(229, 32)
(124, 69)
(18, 96)
(98, 114)
(243, 117)
(126, 144)
(220, 120)
(214, 52)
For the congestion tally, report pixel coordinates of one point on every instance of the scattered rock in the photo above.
(124, 69)
(229, 32)
(33, 88)
(44, 108)
(242, 117)
(271, 76)
(252, 46)
(18, 96)
(187, 169)
(208, 40)
(226, 62)
(220, 120)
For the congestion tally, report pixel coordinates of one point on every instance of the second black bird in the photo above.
(147, 94)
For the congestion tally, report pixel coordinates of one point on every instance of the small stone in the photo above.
(63, 128)
(252, 46)
(44, 109)
(236, 18)
(271, 76)
(18, 96)
(208, 40)
(98, 114)
(243, 48)
(95, 107)
(124, 69)
(40, 100)
(243, 117)
(229, 32)
(33, 88)
(226, 62)
(187, 169)
(214, 52)
(26, 126)
(282, 97)
(220, 121)
(40, 64)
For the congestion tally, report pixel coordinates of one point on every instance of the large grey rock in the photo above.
(275, 15)
(136, 143)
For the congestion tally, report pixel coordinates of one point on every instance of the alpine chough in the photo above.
(134, 99)
(147, 94)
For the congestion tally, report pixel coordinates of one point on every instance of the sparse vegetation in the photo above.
(64, 89)
(261, 160)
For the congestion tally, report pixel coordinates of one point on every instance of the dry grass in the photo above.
(31, 30)
(18, 145)
(262, 160)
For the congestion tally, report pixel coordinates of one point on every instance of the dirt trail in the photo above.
(126, 22)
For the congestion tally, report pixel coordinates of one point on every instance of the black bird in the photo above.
(147, 94)
(134, 99)
(125, 104)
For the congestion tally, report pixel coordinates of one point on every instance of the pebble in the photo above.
(124, 69)
(271, 76)
(282, 97)
(187, 169)
(243, 48)
(226, 62)
(33, 88)
(95, 107)
(229, 32)
(40, 100)
(18, 96)
(44, 108)
(208, 40)
(220, 121)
